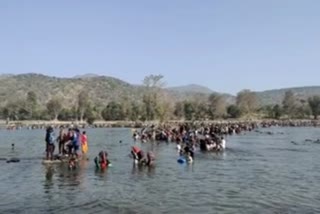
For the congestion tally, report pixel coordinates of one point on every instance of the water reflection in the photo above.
(140, 170)
(48, 184)
(101, 173)
(70, 178)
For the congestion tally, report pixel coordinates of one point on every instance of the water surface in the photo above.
(257, 174)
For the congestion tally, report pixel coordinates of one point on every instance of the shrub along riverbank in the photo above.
(39, 124)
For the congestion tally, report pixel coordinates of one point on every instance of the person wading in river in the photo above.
(50, 143)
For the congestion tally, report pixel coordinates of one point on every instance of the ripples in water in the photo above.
(257, 174)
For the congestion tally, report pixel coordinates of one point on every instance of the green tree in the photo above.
(189, 110)
(66, 114)
(164, 110)
(289, 104)
(91, 114)
(314, 103)
(217, 106)
(247, 101)
(135, 112)
(277, 111)
(113, 111)
(179, 110)
(11, 110)
(233, 111)
(54, 107)
(31, 103)
(201, 110)
(83, 103)
(164, 107)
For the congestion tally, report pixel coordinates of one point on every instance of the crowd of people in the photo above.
(70, 142)
(187, 136)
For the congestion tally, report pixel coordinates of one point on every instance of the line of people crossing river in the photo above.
(73, 145)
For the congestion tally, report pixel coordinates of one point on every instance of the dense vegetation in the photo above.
(38, 97)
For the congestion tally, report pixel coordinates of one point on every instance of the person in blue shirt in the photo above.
(50, 139)
(76, 141)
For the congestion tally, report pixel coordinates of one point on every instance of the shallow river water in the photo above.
(258, 173)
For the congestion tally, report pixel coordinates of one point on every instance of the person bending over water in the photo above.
(150, 159)
(139, 157)
(138, 154)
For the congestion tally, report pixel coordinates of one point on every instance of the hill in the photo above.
(192, 88)
(276, 96)
(103, 89)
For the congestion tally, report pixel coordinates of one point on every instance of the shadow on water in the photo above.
(141, 170)
(48, 184)
(101, 173)
(64, 177)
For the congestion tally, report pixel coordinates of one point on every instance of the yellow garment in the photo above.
(85, 148)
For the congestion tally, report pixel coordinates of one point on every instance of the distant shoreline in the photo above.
(137, 124)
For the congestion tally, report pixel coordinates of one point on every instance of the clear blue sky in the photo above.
(226, 45)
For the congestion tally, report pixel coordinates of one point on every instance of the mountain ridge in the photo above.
(102, 89)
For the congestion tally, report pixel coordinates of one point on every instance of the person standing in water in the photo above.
(76, 142)
(62, 139)
(50, 143)
(84, 143)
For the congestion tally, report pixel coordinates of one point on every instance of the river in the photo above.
(258, 173)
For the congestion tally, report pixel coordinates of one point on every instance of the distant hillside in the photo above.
(84, 76)
(192, 88)
(276, 96)
(190, 91)
(103, 89)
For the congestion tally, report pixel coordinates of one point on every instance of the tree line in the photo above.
(157, 105)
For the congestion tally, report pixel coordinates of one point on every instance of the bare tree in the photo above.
(217, 106)
(247, 101)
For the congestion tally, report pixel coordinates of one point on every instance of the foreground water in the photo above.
(257, 174)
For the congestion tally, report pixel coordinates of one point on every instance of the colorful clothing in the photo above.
(84, 144)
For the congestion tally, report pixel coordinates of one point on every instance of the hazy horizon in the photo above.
(226, 46)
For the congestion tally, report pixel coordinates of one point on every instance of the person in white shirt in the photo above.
(223, 143)
(178, 147)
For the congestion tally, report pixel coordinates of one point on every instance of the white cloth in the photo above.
(223, 143)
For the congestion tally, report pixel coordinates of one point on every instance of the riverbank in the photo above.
(39, 124)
